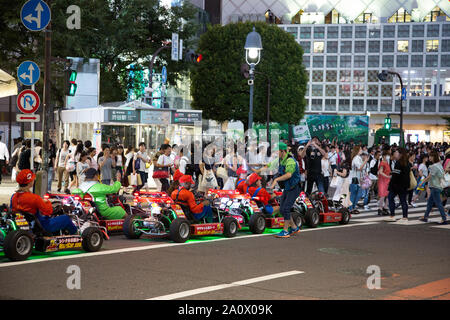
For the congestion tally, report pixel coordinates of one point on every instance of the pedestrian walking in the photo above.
(82, 166)
(51, 163)
(105, 165)
(163, 167)
(60, 166)
(4, 158)
(356, 175)
(139, 161)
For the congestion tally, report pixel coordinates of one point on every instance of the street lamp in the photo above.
(383, 76)
(253, 47)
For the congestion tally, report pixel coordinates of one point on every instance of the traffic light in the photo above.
(70, 86)
(387, 123)
(192, 56)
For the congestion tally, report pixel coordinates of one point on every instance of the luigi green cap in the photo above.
(281, 146)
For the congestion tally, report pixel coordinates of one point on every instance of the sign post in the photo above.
(175, 46)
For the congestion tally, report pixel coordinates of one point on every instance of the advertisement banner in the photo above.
(345, 128)
(301, 132)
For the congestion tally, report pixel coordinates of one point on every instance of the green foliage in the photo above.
(118, 32)
(219, 89)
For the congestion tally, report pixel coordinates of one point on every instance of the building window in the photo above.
(416, 60)
(358, 105)
(372, 90)
(445, 60)
(374, 46)
(388, 61)
(400, 16)
(372, 76)
(330, 90)
(358, 90)
(306, 45)
(433, 30)
(397, 105)
(331, 61)
(402, 61)
(316, 90)
(432, 45)
(361, 32)
(306, 61)
(332, 46)
(415, 87)
(431, 60)
(347, 32)
(334, 17)
(305, 33)
(344, 90)
(388, 46)
(346, 62)
(417, 46)
(402, 46)
(332, 32)
(360, 46)
(388, 31)
(319, 32)
(318, 46)
(418, 31)
(445, 45)
(444, 106)
(316, 104)
(359, 62)
(318, 62)
(429, 106)
(415, 105)
(346, 46)
(436, 12)
(359, 76)
(372, 105)
(386, 105)
(330, 104)
(293, 31)
(445, 29)
(317, 76)
(374, 33)
(374, 61)
(403, 31)
(344, 104)
(386, 90)
(345, 76)
(331, 76)
(366, 17)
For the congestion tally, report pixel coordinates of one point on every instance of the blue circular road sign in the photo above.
(28, 73)
(35, 15)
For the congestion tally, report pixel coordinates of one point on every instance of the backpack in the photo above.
(137, 164)
(24, 161)
(374, 169)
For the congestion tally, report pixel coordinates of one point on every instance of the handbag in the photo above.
(445, 181)
(160, 173)
(222, 173)
(133, 180)
(412, 181)
(333, 183)
(70, 166)
(366, 182)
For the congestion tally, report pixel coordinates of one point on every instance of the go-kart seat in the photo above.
(187, 212)
(37, 228)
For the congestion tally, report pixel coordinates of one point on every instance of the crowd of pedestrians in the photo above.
(346, 172)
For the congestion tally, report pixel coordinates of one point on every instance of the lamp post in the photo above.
(253, 47)
(383, 77)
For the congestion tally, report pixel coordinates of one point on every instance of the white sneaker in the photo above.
(403, 221)
(390, 219)
(414, 204)
(366, 208)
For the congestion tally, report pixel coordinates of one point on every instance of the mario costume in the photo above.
(185, 197)
(241, 185)
(26, 201)
(98, 192)
(262, 194)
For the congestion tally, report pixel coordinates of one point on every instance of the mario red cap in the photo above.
(177, 175)
(253, 178)
(186, 178)
(241, 170)
(25, 176)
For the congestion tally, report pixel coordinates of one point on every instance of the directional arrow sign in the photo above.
(35, 15)
(28, 73)
(28, 101)
(28, 118)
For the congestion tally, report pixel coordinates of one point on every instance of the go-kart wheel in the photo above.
(345, 216)
(312, 217)
(18, 245)
(92, 239)
(297, 219)
(230, 227)
(180, 230)
(129, 227)
(257, 223)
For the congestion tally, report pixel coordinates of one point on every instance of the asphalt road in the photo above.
(322, 263)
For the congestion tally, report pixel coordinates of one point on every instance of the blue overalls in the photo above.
(291, 189)
(268, 208)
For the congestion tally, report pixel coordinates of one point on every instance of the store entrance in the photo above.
(124, 135)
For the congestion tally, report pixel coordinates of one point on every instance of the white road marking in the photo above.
(398, 216)
(164, 245)
(193, 292)
(445, 226)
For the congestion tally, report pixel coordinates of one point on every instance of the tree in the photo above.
(219, 89)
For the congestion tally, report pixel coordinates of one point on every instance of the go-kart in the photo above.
(241, 204)
(21, 231)
(166, 217)
(325, 211)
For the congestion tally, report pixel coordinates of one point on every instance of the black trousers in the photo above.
(2, 165)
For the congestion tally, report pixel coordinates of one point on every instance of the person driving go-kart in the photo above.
(26, 201)
(255, 189)
(186, 198)
(98, 192)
